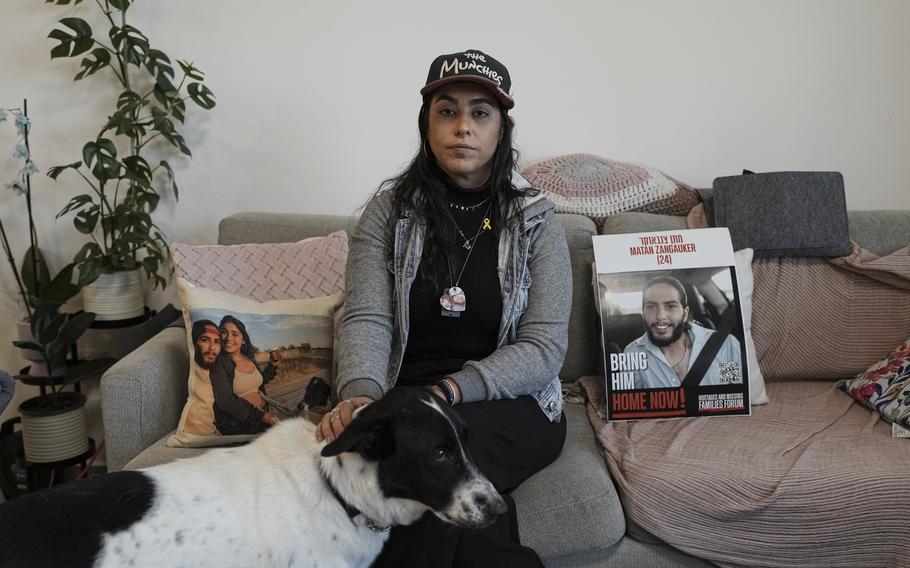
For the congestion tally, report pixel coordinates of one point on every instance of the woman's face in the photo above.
(464, 128)
(231, 338)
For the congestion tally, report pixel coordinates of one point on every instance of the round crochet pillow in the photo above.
(597, 187)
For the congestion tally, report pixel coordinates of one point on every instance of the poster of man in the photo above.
(671, 324)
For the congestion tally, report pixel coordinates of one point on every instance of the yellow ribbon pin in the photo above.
(486, 224)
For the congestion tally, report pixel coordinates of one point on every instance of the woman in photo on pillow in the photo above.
(458, 280)
(239, 407)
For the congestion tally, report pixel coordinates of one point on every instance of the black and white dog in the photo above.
(284, 500)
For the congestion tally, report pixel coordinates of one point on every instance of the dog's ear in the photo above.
(369, 435)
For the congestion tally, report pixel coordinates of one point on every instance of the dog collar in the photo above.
(353, 511)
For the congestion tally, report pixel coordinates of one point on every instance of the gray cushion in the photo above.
(571, 506)
(784, 213)
(584, 342)
(881, 232)
(243, 228)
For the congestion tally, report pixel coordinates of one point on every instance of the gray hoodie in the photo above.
(536, 284)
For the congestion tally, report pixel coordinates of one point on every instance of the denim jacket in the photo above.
(535, 280)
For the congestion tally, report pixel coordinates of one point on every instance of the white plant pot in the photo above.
(116, 296)
(54, 427)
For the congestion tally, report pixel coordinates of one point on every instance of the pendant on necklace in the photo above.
(467, 245)
(452, 302)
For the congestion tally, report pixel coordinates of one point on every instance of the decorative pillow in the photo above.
(679, 203)
(757, 393)
(818, 319)
(885, 386)
(598, 187)
(784, 213)
(697, 218)
(250, 362)
(274, 271)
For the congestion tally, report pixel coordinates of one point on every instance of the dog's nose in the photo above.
(491, 505)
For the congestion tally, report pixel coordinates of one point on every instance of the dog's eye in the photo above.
(440, 453)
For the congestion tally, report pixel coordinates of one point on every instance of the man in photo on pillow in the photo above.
(200, 416)
(672, 343)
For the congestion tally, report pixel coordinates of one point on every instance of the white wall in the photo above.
(317, 101)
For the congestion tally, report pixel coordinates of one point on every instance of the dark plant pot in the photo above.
(54, 427)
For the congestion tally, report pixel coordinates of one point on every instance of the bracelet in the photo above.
(447, 390)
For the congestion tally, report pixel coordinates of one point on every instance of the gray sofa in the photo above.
(569, 512)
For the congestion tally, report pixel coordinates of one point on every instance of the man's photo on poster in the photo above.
(657, 326)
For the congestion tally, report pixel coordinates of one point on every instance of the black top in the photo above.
(437, 344)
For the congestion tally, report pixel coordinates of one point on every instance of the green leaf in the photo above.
(62, 2)
(173, 180)
(72, 44)
(30, 345)
(49, 333)
(59, 293)
(74, 328)
(75, 203)
(43, 315)
(190, 71)
(91, 66)
(34, 280)
(122, 123)
(138, 169)
(131, 43)
(87, 219)
(121, 5)
(128, 100)
(88, 250)
(201, 95)
(89, 271)
(101, 157)
(56, 170)
(178, 109)
(158, 63)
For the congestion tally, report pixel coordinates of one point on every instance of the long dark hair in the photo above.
(419, 191)
(247, 349)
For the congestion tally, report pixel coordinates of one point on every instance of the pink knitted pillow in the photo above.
(310, 268)
(598, 187)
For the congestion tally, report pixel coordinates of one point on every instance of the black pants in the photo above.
(509, 440)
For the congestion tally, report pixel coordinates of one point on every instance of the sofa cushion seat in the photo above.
(569, 507)
(812, 479)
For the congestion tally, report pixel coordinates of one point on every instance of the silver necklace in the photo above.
(468, 243)
(453, 299)
(468, 207)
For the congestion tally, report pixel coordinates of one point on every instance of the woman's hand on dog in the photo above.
(335, 421)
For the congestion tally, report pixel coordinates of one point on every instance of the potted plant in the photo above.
(33, 278)
(117, 166)
(54, 425)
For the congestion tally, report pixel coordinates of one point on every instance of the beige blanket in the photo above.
(811, 479)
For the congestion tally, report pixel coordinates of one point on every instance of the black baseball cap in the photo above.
(473, 66)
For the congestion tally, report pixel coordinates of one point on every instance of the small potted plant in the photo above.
(54, 425)
(117, 166)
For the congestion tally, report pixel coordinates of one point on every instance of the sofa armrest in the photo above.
(143, 394)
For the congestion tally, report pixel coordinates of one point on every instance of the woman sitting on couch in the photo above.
(458, 279)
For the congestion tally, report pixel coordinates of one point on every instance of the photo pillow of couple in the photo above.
(251, 363)
(256, 356)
